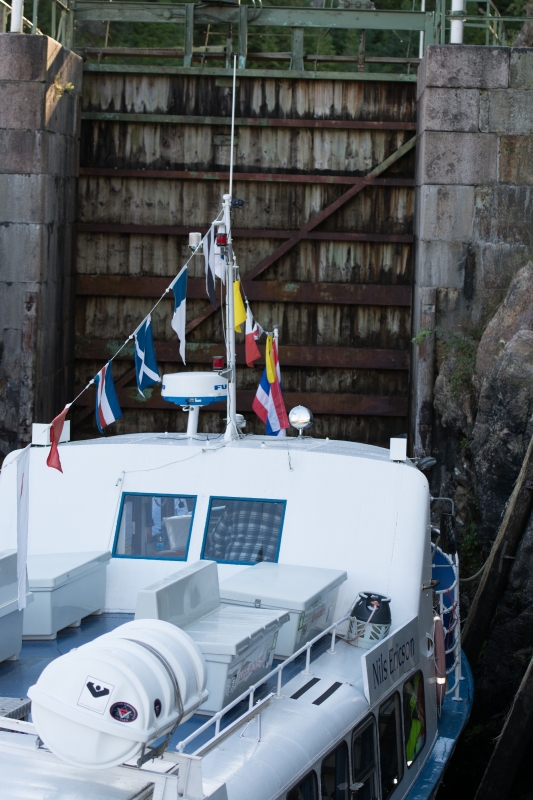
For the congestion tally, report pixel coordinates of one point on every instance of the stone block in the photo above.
(510, 111)
(503, 214)
(22, 105)
(442, 109)
(61, 112)
(36, 198)
(23, 58)
(445, 212)
(463, 158)
(521, 68)
(464, 66)
(37, 152)
(516, 160)
(440, 263)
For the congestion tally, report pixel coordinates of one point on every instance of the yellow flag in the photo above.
(269, 359)
(239, 310)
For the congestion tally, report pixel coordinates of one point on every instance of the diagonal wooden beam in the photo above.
(324, 214)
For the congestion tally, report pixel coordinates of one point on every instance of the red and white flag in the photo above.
(268, 403)
(56, 429)
(253, 332)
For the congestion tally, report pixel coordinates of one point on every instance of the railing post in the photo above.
(34, 16)
(69, 38)
(53, 21)
(278, 693)
(297, 49)
(243, 37)
(3, 19)
(17, 12)
(307, 661)
(189, 31)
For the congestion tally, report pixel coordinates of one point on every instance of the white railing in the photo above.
(454, 630)
(255, 709)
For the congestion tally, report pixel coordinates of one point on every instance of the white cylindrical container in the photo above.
(98, 705)
(457, 25)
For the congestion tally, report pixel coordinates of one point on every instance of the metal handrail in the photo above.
(249, 693)
(455, 630)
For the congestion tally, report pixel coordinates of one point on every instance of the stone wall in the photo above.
(40, 85)
(473, 222)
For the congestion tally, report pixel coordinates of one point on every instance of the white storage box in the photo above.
(66, 587)
(10, 616)
(309, 594)
(237, 642)
(238, 645)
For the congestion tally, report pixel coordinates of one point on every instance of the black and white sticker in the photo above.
(95, 694)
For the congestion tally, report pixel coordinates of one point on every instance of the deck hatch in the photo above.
(332, 689)
(304, 688)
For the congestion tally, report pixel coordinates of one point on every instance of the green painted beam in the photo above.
(152, 69)
(281, 17)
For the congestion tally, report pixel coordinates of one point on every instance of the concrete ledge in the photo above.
(464, 66)
(442, 109)
(445, 212)
(457, 158)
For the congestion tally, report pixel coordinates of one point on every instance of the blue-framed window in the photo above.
(154, 526)
(243, 530)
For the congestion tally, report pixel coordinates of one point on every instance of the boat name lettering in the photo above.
(391, 658)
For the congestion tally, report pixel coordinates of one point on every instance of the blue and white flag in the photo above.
(107, 407)
(146, 370)
(179, 287)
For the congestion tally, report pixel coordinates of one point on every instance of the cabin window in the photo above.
(364, 760)
(414, 716)
(307, 789)
(243, 531)
(390, 745)
(154, 526)
(334, 779)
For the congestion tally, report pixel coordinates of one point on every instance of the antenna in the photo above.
(232, 431)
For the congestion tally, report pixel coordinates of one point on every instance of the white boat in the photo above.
(229, 617)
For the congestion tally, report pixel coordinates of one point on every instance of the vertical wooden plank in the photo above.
(425, 380)
(189, 30)
(243, 37)
(297, 49)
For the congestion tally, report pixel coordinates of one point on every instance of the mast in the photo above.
(231, 425)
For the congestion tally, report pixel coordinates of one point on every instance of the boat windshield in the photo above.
(154, 526)
(242, 531)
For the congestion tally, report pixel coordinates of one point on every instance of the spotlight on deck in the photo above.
(300, 418)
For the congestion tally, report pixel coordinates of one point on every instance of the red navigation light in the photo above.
(221, 239)
(218, 362)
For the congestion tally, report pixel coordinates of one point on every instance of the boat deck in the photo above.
(17, 676)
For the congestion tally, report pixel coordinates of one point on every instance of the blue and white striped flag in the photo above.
(107, 407)
(146, 370)
(179, 287)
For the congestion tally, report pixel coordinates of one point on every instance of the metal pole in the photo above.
(34, 16)
(231, 425)
(421, 44)
(457, 25)
(16, 16)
